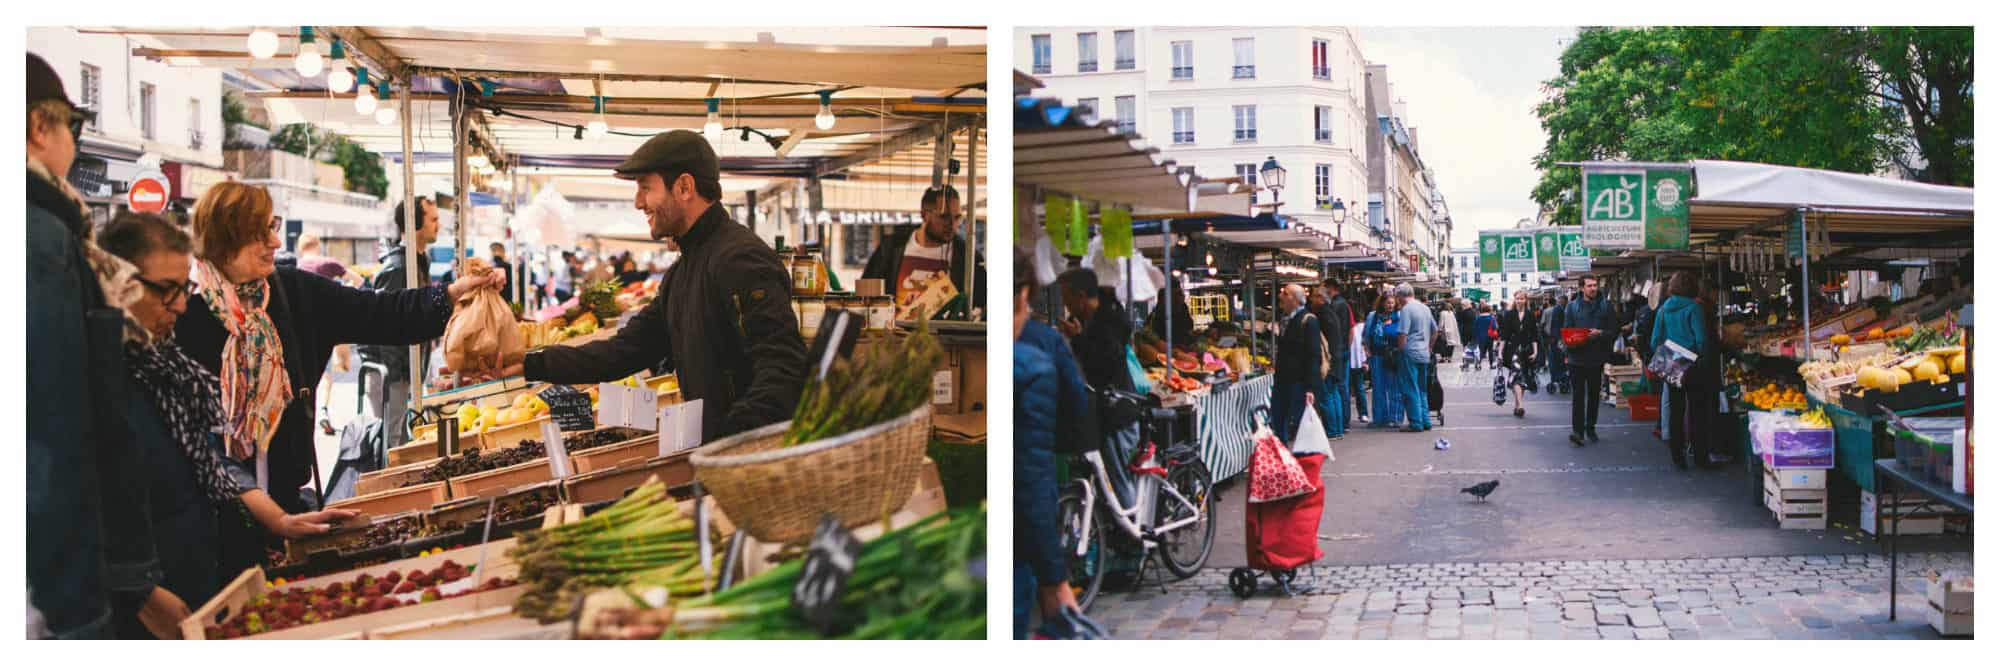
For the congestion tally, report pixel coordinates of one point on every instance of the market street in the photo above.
(1566, 523)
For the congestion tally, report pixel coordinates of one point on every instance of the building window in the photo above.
(1323, 185)
(1183, 61)
(1321, 70)
(194, 124)
(93, 92)
(1246, 123)
(1246, 59)
(1184, 125)
(1323, 124)
(1125, 49)
(1248, 174)
(1086, 52)
(1039, 46)
(146, 111)
(1090, 105)
(1126, 109)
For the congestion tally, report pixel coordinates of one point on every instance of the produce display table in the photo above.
(1222, 430)
(1935, 496)
(1854, 438)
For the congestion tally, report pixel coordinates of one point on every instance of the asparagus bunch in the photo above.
(881, 383)
(641, 538)
(912, 583)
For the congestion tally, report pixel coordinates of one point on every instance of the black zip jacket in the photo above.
(723, 322)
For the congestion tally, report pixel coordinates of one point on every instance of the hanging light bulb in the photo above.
(597, 127)
(364, 92)
(385, 112)
(340, 79)
(825, 118)
(308, 62)
(263, 43)
(712, 130)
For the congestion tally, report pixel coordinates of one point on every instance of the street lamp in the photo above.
(1339, 220)
(1274, 179)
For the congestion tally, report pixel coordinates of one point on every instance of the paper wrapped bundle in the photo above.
(482, 328)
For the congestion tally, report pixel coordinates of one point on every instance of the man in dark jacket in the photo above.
(394, 276)
(1337, 328)
(1097, 329)
(1586, 361)
(1051, 409)
(723, 319)
(83, 476)
(906, 259)
(1296, 377)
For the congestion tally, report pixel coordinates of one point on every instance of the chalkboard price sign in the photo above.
(829, 561)
(569, 408)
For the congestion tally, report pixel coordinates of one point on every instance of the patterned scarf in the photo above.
(255, 387)
(187, 399)
(115, 276)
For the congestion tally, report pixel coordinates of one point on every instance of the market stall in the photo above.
(1825, 336)
(477, 527)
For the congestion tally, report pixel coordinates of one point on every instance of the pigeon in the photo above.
(1481, 490)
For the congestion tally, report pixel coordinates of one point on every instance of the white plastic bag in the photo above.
(1311, 438)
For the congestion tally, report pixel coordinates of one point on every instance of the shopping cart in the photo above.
(1282, 536)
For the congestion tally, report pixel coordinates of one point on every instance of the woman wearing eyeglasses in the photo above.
(267, 332)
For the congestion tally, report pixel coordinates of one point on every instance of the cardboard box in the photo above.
(1949, 624)
(1951, 593)
(869, 287)
(1918, 523)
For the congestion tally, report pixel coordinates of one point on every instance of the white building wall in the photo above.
(1283, 90)
(118, 117)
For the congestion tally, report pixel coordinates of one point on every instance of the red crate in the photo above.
(1645, 407)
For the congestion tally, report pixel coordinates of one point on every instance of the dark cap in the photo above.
(43, 83)
(678, 151)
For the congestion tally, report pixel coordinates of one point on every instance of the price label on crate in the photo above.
(447, 437)
(823, 577)
(680, 427)
(627, 407)
(569, 408)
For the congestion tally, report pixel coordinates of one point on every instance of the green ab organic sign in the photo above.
(1517, 251)
(1489, 252)
(1575, 257)
(1546, 257)
(1628, 208)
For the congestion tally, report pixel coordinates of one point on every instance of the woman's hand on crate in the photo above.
(163, 613)
(297, 525)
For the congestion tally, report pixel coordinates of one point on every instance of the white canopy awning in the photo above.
(1767, 185)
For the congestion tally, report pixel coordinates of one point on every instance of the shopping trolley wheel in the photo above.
(1243, 582)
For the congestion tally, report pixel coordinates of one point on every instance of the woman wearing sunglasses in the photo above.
(267, 333)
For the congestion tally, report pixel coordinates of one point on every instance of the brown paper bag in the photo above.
(481, 328)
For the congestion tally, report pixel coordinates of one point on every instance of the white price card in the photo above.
(558, 450)
(627, 407)
(941, 388)
(680, 427)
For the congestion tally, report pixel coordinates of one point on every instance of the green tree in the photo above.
(361, 169)
(1805, 96)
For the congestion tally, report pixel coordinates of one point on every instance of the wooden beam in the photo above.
(911, 138)
(385, 60)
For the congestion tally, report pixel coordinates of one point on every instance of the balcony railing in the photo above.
(1323, 136)
(1086, 65)
(194, 139)
(1183, 73)
(1041, 68)
(1183, 137)
(1246, 135)
(1126, 63)
(1243, 72)
(1127, 127)
(1323, 73)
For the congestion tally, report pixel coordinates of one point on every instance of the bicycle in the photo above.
(1170, 515)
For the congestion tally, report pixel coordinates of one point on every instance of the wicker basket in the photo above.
(778, 494)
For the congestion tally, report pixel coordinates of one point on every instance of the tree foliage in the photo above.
(1825, 98)
(361, 169)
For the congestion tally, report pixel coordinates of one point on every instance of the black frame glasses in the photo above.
(78, 117)
(169, 294)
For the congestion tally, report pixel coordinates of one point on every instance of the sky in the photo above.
(1471, 94)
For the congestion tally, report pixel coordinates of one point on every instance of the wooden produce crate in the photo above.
(503, 479)
(471, 510)
(611, 484)
(391, 478)
(508, 437)
(345, 536)
(487, 624)
(607, 457)
(233, 597)
(1913, 521)
(1795, 508)
(417, 497)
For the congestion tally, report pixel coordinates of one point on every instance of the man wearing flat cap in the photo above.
(723, 320)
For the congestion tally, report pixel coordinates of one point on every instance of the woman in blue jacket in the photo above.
(1679, 320)
(1383, 372)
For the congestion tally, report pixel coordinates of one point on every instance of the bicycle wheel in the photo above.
(1086, 573)
(1184, 550)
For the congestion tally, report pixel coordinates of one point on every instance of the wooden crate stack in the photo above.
(1796, 497)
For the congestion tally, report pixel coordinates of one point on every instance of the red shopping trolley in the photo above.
(1280, 536)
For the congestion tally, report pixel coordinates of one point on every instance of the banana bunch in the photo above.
(1815, 419)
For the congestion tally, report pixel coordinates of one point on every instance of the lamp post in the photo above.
(1274, 180)
(1339, 221)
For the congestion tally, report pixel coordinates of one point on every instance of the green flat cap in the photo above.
(679, 151)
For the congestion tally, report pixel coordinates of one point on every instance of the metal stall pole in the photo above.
(410, 279)
(461, 208)
(972, 219)
(1805, 280)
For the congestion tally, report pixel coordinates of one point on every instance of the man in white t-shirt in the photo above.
(906, 260)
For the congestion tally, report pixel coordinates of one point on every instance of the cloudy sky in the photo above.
(1471, 94)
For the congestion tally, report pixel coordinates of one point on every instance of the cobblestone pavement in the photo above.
(1808, 596)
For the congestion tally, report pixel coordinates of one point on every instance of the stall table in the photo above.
(1222, 430)
(1936, 496)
